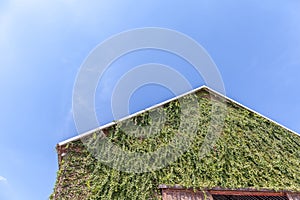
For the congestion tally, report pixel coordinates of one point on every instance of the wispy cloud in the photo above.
(2, 178)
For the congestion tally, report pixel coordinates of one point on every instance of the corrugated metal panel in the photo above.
(243, 197)
(180, 193)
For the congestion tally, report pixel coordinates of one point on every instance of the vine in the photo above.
(252, 152)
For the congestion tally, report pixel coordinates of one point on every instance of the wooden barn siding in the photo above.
(175, 194)
(293, 196)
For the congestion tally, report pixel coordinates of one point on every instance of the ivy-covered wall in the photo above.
(251, 152)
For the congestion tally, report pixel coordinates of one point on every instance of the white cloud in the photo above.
(3, 179)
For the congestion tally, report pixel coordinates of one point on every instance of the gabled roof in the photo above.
(206, 88)
(251, 152)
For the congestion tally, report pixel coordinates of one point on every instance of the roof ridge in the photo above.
(167, 101)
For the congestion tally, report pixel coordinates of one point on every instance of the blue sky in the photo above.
(255, 45)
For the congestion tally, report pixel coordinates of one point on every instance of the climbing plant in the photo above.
(250, 152)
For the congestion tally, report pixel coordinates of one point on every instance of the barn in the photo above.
(216, 149)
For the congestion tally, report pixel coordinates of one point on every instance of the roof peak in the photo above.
(203, 87)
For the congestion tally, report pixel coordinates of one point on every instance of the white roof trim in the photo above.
(164, 102)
